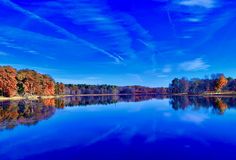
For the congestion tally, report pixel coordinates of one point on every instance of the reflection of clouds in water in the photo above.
(152, 138)
(128, 133)
(167, 114)
(154, 123)
(153, 132)
(194, 118)
(104, 136)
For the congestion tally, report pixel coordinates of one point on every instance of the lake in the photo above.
(119, 127)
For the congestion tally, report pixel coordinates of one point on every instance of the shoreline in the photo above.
(227, 94)
(35, 97)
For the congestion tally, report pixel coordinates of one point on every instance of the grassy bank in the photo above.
(35, 97)
(219, 93)
(31, 97)
(206, 94)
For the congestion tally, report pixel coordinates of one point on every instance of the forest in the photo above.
(29, 82)
(72, 89)
(217, 83)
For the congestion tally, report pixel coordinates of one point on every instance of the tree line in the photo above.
(215, 84)
(75, 89)
(29, 82)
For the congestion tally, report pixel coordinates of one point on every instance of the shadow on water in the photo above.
(26, 112)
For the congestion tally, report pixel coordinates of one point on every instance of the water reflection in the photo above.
(218, 105)
(25, 112)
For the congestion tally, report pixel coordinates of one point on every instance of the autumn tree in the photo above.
(28, 82)
(59, 88)
(8, 82)
(48, 85)
(32, 83)
(221, 83)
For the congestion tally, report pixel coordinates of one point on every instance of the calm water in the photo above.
(126, 127)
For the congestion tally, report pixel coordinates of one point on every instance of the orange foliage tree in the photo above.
(34, 83)
(48, 85)
(221, 83)
(8, 82)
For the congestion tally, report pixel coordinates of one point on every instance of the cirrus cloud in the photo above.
(194, 65)
(3, 53)
(199, 3)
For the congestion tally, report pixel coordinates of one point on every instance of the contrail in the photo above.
(61, 30)
(155, 52)
(171, 21)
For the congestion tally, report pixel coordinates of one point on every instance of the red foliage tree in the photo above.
(8, 82)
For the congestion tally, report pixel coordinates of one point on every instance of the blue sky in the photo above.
(122, 42)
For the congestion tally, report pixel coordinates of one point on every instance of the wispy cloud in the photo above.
(17, 47)
(193, 19)
(172, 24)
(133, 26)
(194, 65)
(101, 22)
(161, 75)
(119, 30)
(185, 37)
(167, 69)
(135, 77)
(81, 79)
(199, 3)
(60, 29)
(51, 58)
(3, 53)
(142, 35)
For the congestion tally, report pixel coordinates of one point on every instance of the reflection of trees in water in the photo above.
(218, 104)
(25, 112)
(105, 100)
(22, 112)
